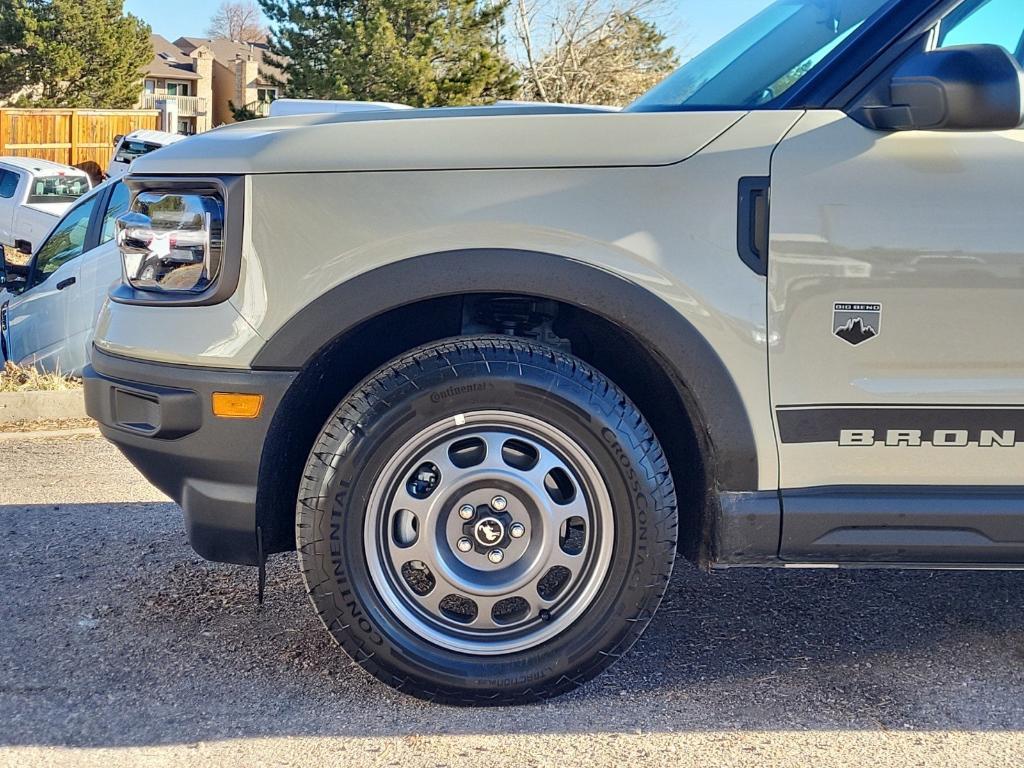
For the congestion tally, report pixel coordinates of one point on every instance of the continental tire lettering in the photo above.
(641, 505)
(517, 681)
(460, 389)
(335, 541)
(355, 612)
(335, 537)
(358, 615)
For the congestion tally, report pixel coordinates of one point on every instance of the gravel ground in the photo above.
(46, 425)
(118, 646)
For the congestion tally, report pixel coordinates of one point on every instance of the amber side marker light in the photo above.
(237, 405)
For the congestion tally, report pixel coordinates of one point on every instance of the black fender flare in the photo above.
(706, 385)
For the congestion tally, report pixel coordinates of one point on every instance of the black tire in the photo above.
(496, 373)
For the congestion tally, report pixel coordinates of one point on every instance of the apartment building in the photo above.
(180, 83)
(242, 75)
(197, 81)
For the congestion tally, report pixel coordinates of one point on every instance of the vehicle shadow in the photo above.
(118, 635)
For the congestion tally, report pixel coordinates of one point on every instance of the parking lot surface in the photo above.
(119, 646)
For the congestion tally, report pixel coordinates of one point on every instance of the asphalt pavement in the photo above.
(119, 646)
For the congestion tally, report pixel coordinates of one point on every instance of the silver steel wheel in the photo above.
(488, 533)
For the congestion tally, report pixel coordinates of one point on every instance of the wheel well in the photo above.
(351, 357)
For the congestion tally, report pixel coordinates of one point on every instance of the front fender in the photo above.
(680, 346)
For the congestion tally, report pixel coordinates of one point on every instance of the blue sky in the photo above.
(695, 24)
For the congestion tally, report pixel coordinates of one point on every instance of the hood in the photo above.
(163, 138)
(533, 136)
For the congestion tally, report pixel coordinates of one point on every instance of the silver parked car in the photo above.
(48, 308)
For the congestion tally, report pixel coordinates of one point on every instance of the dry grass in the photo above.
(15, 378)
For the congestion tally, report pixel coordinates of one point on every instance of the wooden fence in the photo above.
(80, 137)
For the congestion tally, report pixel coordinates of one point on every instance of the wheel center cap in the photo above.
(488, 531)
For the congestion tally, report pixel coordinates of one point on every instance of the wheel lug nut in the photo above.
(498, 503)
(496, 556)
(466, 511)
(464, 544)
(517, 530)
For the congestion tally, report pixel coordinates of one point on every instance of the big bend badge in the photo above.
(855, 322)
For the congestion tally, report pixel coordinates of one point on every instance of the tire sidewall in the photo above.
(352, 460)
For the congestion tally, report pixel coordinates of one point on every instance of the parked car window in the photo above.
(65, 243)
(57, 189)
(118, 204)
(996, 22)
(129, 150)
(8, 184)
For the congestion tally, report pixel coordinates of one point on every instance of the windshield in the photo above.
(764, 58)
(57, 189)
(130, 149)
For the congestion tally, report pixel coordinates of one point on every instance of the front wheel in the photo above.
(486, 521)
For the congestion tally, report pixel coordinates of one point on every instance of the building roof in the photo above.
(170, 61)
(227, 51)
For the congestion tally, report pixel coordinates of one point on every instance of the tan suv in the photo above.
(488, 370)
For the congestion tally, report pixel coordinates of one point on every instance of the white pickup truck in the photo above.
(34, 194)
(136, 144)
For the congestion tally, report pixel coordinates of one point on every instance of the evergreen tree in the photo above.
(71, 53)
(418, 52)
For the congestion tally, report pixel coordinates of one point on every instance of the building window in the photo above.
(185, 127)
(266, 95)
(150, 86)
(177, 89)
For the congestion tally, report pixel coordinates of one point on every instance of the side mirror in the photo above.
(13, 277)
(117, 139)
(962, 88)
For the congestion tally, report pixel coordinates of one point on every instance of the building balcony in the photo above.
(188, 106)
(260, 108)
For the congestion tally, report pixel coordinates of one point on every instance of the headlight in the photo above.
(172, 242)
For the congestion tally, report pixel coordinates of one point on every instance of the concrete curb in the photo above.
(37, 406)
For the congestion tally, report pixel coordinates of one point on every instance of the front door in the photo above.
(100, 270)
(896, 309)
(50, 315)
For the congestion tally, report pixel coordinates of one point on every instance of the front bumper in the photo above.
(160, 417)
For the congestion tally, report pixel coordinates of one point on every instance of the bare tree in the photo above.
(590, 51)
(241, 21)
